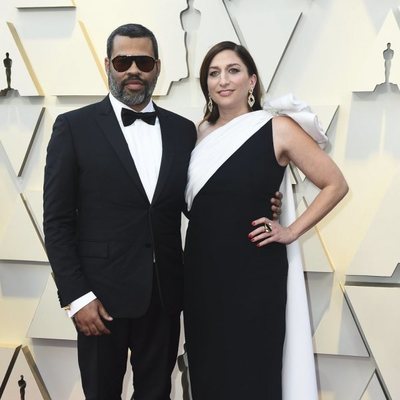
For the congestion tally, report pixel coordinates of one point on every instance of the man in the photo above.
(113, 196)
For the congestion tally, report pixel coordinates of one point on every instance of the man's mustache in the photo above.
(131, 78)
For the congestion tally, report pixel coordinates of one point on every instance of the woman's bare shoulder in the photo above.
(203, 129)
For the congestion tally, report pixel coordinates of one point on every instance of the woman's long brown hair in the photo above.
(248, 61)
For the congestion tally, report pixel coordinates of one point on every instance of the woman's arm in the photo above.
(292, 144)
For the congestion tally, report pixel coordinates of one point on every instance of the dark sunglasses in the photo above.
(123, 63)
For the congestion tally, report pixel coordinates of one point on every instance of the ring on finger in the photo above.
(267, 227)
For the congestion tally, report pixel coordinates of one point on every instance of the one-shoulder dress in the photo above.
(235, 292)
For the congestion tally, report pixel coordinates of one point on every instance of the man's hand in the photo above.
(276, 204)
(89, 319)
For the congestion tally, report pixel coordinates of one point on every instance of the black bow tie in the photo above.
(129, 117)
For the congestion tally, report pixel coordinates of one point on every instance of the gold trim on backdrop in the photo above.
(9, 370)
(99, 64)
(33, 220)
(324, 247)
(28, 150)
(33, 368)
(36, 374)
(25, 57)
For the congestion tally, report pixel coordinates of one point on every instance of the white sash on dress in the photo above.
(301, 113)
(298, 372)
(217, 147)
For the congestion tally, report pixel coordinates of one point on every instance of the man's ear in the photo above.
(158, 66)
(107, 64)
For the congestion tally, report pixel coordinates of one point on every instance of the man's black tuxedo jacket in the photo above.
(101, 232)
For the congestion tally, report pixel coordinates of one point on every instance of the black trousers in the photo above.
(153, 341)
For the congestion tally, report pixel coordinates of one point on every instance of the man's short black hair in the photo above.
(132, 31)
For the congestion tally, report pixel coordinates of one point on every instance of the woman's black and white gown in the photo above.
(235, 293)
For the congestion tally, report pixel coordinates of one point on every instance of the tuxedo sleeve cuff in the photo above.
(79, 303)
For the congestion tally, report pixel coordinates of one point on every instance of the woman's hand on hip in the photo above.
(269, 231)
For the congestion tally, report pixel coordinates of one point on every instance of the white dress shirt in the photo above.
(145, 145)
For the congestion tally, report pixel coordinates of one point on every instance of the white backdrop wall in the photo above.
(327, 52)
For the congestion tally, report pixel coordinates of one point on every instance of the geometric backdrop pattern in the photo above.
(327, 53)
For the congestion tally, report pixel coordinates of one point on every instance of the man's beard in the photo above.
(131, 98)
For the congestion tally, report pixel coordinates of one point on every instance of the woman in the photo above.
(235, 255)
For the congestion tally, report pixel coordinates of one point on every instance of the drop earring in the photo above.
(251, 100)
(210, 104)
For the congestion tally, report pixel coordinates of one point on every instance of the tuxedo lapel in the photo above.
(168, 149)
(109, 126)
